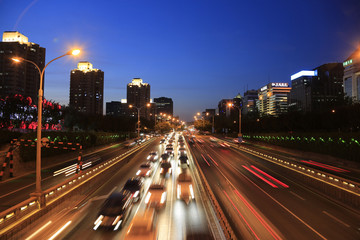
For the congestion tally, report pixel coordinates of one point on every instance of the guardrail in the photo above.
(224, 223)
(13, 217)
(334, 181)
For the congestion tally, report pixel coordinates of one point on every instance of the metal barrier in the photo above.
(11, 218)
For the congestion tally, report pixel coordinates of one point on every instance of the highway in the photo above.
(176, 220)
(261, 200)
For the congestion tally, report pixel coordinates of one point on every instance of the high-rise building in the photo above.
(164, 105)
(87, 89)
(20, 78)
(138, 94)
(273, 99)
(318, 90)
(249, 101)
(223, 107)
(351, 79)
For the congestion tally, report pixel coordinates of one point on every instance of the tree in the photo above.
(163, 127)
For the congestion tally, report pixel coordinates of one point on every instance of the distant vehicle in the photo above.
(213, 139)
(224, 144)
(143, 226)
(165, 168)
(185, 189)
(153, 156)
(156, 196)
(136, 186)
(162, 140)
(170, 151)
(115, 211)
(129, 143)
(183, 161)
(145, 170)
(182, 151)
(169, 145)
(191, 141)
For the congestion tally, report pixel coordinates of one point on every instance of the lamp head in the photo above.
(230, 104)
(73, 52)
(130, 106)
(148, 105)
(15, 59)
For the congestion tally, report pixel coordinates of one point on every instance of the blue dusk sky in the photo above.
(197, 52)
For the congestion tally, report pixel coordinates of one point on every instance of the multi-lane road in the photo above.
(177, 220)
(259, 198)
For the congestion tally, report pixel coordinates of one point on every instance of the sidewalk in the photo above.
(24, 168)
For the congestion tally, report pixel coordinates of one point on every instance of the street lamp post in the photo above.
(138, 109)
(39, 120)
(239, 108)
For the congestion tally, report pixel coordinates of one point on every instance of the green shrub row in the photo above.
(344, 145)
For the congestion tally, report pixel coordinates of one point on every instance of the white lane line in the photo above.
(59, 231)
(336, 219)
(39, 230)
(296, 195)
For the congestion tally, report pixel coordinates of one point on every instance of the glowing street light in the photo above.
(239, 108)
(38, 191)
(138, 109)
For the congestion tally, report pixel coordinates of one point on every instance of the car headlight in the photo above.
(163, 197)
(192, 191)
(178, 191)
(148, 157)
(136, 194)
(147, 198)
(138, 172)
(148, 173)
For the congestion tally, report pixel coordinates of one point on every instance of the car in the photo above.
(164, 158)
(191, 141)
(136, 186)
(162, 141)
(183, 161)
(224, 144)
(153, 156)
(182, 151)
(213, 139)
(156, 195)
(114, 211)
(185, 189)
(143, 226)
(170, 151)
(145, 170)
(165, 168)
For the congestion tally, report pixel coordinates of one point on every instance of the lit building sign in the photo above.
(263, 88)
(348, 62)
(304, 73)
(14, 37)
(124, 100)
(279, 84)
(85, 66)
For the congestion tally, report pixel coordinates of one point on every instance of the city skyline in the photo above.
(187, 51)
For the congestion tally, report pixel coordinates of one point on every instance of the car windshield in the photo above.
(132, 185)
(145, 166)
(113, 206)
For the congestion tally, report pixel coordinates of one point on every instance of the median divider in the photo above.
(214, 205)
(76, 188)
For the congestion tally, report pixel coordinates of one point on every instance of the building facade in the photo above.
(87, 89)
(319, 90)
(351, 78)
(249, 101)
(23, 77)
(138, 95)
(164, 105)
(223, 108)
(273, 99)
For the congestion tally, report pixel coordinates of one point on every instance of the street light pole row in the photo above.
(138, 109)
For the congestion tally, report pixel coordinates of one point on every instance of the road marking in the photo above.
(336, 219)
(297, 195)
(60, 230)
(39, 230)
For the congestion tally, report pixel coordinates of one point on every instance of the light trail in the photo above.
(265, 180)
(205, 160)
(213, 160)
(39, 230)
(271, 177)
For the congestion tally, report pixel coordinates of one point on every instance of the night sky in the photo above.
(196, 52)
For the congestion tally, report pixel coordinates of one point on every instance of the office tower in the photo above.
(224, 109)
(87, 89)
(118, 108)
(164, 105)
(249, 101)
(23, 77)
(318, 90)
(351, 79)
(273, 99)
(138, 95)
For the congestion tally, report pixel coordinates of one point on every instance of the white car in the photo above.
(153, 156)
(156, 196)
(145, 170)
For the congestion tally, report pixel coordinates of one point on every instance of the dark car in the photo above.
(164, 157)
(135, 186)
(165, 168)
(114, 211)
(183, 161)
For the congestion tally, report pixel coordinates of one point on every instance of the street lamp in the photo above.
(138, 109)
(239, 108)
(39, 125)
